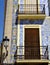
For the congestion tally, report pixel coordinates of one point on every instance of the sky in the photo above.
(1, 19)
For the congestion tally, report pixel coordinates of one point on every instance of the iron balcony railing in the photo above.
(31, 52)
(31, 9)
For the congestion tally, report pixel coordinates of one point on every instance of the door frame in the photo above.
(32, 26)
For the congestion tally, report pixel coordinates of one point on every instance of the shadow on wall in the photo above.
(22, 22)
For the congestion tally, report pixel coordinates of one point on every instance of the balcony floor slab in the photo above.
(32, 61)
(31, 16)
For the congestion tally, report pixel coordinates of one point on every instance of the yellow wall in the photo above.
(8, 27)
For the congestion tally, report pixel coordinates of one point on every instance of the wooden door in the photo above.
(32, 45)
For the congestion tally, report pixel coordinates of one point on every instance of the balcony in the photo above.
(32, 54)
(31, 11)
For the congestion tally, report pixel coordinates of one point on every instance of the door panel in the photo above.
(32, 46)
(31, 6)
(30, 1)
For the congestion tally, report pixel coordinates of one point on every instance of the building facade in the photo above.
(27, 25)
